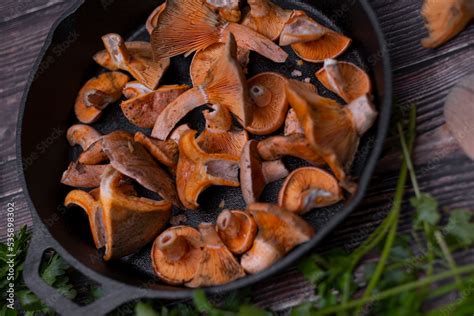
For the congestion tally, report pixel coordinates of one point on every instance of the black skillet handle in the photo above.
(112, 297)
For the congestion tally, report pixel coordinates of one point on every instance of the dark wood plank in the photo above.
(12, 9)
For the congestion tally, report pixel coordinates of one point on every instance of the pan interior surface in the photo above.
(136, 269)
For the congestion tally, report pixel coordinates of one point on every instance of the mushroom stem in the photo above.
(260, 95)
(363, 113)
(259, 8)
(209, 235)
(115, 44)
(97, 98)
(173, 246)
(229, 223)
(273, 171)
(334, 75)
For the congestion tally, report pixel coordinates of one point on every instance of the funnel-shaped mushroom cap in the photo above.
(328, 127)
(237, 230)
(135, 89)
(132, 159)
(143, 110)
(165, 151)
(198, 170)
(204, 59)
(218, 265)
(308, 188)
(140, 65)
(279, 231)
(176, 254)
(228, 9)
(266, 18)
(220, 137)
(130, 222)
(94, 212)
(97, 93)
(256, 174)
(186, 26)
(267, 91)
(445, 19)
(82, 176)
(344, 79)
(311, 41)
(152, 20)
(82, 135)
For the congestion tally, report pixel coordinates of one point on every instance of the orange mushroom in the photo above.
(97, 93)
(83, 176)
(311, 41)
(237, 230)
(129, 222)
(93, 155)
(144, 109)
(152, 20)
(256, 174)
(186, 26)
(138, 61)
(217, 265)
(332, 130)
(204, 59)
(344, 79)
(228, 9)
(132, 159)
(445, 19)
(198, 170)
(178, 132)
(308, 188)
(82, 135)
(292, 125)
(220, 137)
(133, 89)
(166, 152)
(279, 231)
(176, 254)
(266, 18)
(267, 91)
(225, 85)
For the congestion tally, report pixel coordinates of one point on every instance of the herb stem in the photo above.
(447, 255)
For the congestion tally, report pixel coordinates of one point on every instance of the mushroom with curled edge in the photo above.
(445, 19)
(331, 129)
(132, 159)
(217, 265)
(344, 79)
(198, 170)
(136, 58)
(229, 10)
(97, 93)
(152, 20)
(308, 188)
(267, 90)
(220, 137)
(176, 254)
(293, 143)
(130, 222)
(83, 176)
(204, 59)
(165, 151)
(279, 231)
(237, 230)
(311, 41)
(255, 174)
(225, 85)
(266, 18)
(134, 89)
(186, 26)
(143, 110)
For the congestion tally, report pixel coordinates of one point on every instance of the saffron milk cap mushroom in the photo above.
(176, 254)
(82, 135)
(165, 151)
(83, 176)
(228, 9)
(308, 188)
(152, 20)
(133, 89)
(237, 230)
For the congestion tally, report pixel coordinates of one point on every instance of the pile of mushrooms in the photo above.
(178, 163)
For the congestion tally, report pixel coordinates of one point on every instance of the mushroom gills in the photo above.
(237, 230)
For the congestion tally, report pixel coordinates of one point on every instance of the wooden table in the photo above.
(421, 76)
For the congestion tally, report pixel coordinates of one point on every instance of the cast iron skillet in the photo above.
(64, 65)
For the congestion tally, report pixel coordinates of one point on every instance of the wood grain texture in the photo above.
(421, 76)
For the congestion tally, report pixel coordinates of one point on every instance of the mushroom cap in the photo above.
(143, 110)
(166, 152)
(445, 19)
(152, 20)
(132, 159)
(204, 59)
(300, 28)
(237, 230)
(266, 18)
(218, 265)
(83, 176)
(228, 9)
(133, 89)
(93, 155)
(109, 83)
(130, 222)
(82, 135)
(198, 170)
(139, 49)
(363, 113)
(344, 79)
(176, 254)
(267, 91)
(178, 132)
(308, 188)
